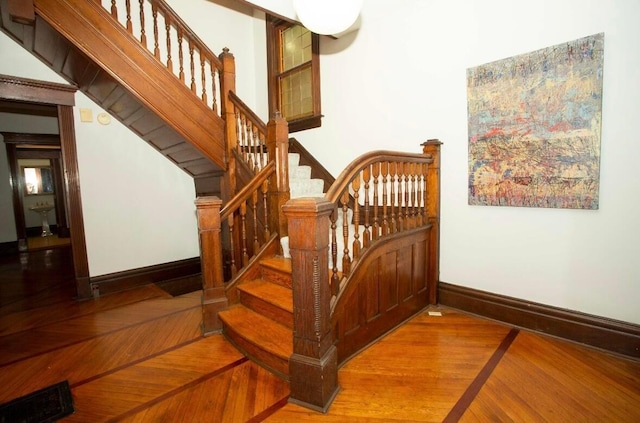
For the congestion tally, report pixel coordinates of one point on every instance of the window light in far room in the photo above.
(327, 17)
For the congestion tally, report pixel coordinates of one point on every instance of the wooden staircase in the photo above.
(261, 324)
(81, 42)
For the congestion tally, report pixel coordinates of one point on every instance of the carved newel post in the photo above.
(214, 298)
(278, 148)
(313, 367)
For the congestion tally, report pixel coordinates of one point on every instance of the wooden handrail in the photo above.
(366, 159)
(245, 110)
(247, 190)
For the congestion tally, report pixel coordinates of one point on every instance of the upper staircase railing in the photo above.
(168, 38)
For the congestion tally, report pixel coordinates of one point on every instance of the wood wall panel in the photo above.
(387, 287)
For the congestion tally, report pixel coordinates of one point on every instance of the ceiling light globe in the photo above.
(327, 17)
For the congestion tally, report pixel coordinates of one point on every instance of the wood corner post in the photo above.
(214, 298)
(278, 150)
(227, 112)
(432, 148)
(313, 366)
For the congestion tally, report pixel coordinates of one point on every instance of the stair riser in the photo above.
(276, 276)
(277, 365)
(267, 309)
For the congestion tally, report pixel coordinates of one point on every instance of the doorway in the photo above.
(42, 97)
(39, 197)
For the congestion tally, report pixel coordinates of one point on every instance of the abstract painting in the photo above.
(534, 127)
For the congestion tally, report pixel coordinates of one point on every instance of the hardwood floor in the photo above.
(138, 356)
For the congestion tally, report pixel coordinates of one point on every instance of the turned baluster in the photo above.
(143, 35)
(214, 91)
(394, 179)
(265, 205)
(256, 243)
(180, 55)
(335, 279)
(355, 253)
(385, 197)
(114, 9)
(128, 10)
(243, 233)
(263, 155)
(203, 78)
(232, 244)
(375, 170)
(422, 186)
(167, 28)
(346, 260)
(400, 213)
(412, 197)
(193, 67)
(366, 233)
(154, 13)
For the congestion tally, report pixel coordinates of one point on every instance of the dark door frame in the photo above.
(62, 97)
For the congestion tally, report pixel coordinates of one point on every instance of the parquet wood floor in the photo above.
(138, 356)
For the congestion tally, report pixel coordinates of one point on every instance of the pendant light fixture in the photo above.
(327, 17)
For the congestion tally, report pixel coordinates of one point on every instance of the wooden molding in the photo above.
(608, 334)
(120, 281)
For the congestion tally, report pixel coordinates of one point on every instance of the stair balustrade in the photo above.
(382, 199)
(170, 40)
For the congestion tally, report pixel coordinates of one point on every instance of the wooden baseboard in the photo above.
(174, 271)
(9, 248)
(600, 332)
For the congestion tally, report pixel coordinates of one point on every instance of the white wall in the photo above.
(126, 227)
(401, 80)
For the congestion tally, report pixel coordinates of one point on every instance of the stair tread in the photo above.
(270, 292)
(278, 263)
(260, 330)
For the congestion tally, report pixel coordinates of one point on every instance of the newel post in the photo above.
(278, 149)
(214, 299)
(432, 148)
(313, 368)
(227, 84)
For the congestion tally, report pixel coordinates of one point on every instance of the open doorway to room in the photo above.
(58, 186)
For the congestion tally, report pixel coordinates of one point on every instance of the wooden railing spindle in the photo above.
(192, 66)
(366, 234)
(167, 28)
(346, 260)
(356, 220)
(214, 92)
(114, 9)
(143, 35)
(154, 14)
(385, 197)
(180, 55)
(203, 75)
(128, 24)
